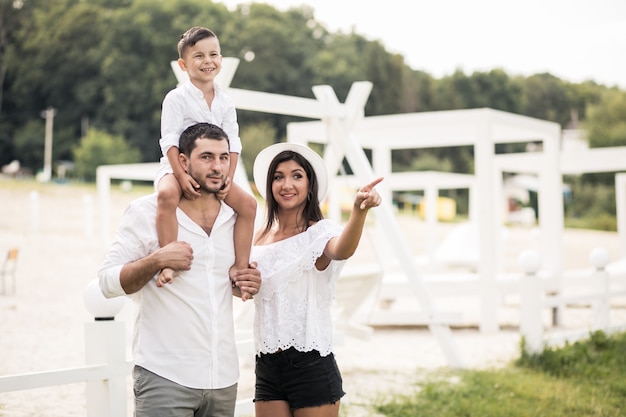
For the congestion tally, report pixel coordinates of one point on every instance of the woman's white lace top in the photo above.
(293, 306)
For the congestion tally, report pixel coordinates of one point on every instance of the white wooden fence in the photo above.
(104, 373)
(534, 300)
(106, 368)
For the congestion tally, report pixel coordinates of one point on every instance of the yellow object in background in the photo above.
(446, 208)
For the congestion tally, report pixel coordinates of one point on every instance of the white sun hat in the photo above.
(265, 157)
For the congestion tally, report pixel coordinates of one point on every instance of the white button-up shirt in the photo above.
(184, 331)
(185, 105)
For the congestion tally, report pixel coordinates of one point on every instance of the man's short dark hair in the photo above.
(200, 131)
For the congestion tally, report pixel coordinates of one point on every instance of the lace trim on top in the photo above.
(293, 307)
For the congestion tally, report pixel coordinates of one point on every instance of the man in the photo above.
(186, 361)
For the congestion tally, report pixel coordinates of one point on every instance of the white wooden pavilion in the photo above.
(345, 133)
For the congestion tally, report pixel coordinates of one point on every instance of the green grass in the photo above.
(586, 378)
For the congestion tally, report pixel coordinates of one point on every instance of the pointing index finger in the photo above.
(372, 184)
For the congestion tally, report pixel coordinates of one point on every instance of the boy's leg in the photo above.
(245, 206)
(168, 197)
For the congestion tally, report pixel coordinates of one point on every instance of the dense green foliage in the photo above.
(99, 148)
(579, 380)
(105, 64)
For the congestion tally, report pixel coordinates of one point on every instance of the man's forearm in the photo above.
(136, 274)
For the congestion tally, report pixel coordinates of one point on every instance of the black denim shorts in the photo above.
(303, 379)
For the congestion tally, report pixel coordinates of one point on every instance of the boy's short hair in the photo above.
(191, 37)
(188, 138)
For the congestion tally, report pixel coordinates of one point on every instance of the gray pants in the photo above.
(159, 397)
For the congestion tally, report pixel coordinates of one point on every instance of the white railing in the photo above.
(106, 368)
(104, 373)
(533, 301)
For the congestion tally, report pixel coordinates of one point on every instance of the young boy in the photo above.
(199, 100)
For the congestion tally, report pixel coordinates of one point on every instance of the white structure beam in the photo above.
(343, 142)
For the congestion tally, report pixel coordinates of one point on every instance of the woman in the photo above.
(300, 255)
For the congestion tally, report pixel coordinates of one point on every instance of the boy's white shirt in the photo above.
(185, 105)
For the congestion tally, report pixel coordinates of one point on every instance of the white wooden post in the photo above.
(105, 343)
(599, 258)
(431, 198)
(620, 201)
(531, 295)
(489, 223)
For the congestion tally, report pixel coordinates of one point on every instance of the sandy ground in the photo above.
(57, 233)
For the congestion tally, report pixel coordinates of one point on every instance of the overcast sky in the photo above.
(574, 40)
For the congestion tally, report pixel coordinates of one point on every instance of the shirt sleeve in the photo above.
(135, 239)
(230, 124)
(172, 122)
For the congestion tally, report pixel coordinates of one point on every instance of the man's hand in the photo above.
(175, 257)
(136, 274)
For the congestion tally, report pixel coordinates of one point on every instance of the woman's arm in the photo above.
(344, 246)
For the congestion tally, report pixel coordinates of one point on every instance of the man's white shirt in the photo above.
(184, 331)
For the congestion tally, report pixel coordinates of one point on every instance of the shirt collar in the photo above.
(196, 92)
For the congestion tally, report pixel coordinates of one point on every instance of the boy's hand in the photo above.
(177, 256)
(247, 280)
(166, 276)
(189, 186)
(221, 194)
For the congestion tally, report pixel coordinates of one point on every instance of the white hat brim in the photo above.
(265, 157)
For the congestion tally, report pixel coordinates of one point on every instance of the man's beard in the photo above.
(202, 180)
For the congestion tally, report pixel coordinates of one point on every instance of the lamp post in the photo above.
(47, 114)
(100, 307)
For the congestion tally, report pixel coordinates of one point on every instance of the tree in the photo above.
(386, 73)
(62, 70)
(137, 49)
(13, 15)
(420, 92)
(340, 63)
(606, 120)
(100, 148)
(277, 52)
(106, 64)
(255, 137)
(453, 92)
(496, 90)
(29, 144)
(544, 96)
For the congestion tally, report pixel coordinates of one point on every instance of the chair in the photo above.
(8, 269)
